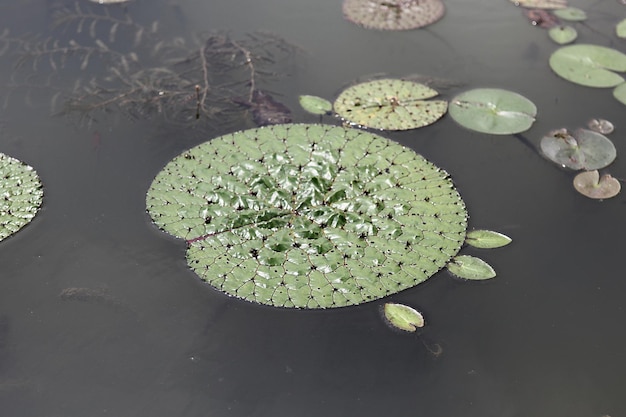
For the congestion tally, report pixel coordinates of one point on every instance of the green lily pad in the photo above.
(571, 14)
(22, 195)
(583, 149)
(470, 267)
(620, 29)
(315, 105)
(393, 14)
(390, 104)
(620, 93)
(541, 4)
(589, 65)
(403, 317)
(493, 110)
(589, 184)
(563, 34)
(486, 239)
(309, 216)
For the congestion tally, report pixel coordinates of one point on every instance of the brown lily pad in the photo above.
(590, 185)
(393, 14)
(541, 4)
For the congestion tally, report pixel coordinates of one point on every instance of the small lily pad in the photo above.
(590, 185)
(486, 239)
(315, 105)
(470, 267)
(393, 14)
(620, 93)
(620, 29)
(563, 34)
(390, 104)
(493, 110)
(571, 14)
(589, 65)
(21, 193)
(403, 317)
(541, 4)
(602, 126)
(582, 149)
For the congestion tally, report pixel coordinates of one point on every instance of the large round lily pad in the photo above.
(390, 104)
(393, 14)
(309, 216)
(582, 149)
(589, 65)
(21, 195)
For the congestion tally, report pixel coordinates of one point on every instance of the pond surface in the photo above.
(148, 338)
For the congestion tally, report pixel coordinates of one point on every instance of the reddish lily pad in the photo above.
(590, 185)
(601, 126)
(393, 14)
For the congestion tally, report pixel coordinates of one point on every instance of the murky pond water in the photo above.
(100, 315)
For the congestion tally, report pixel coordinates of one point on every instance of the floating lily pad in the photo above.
(542, 18)
(309, 216)
(572, 14)
(620, 93)
(390, 104)
(21, 193)
(563, 34)
(601, 126)
(589, 65)
(486, 239)
(470, 267)
(403, 317)
(620, 29)
(582, 149)
(541, 4)
(492, 110)
(393, 14)
(315, 105)
(590, 185)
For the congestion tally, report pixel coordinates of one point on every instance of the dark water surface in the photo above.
(545, 338)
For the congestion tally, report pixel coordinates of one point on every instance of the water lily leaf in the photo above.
(589, 65)
(486, 239)
(21, 193)
(470, 267)
(403, 317)
(589, 184)
(572, 14)
(583, 149)
(393, 14)
(492, 110)
(309, 215)
(620, 29)
(601, 126)
(316, 105)
(541, 4)
(542, 18)
(620, 93)
(563, 34)
(390, 104)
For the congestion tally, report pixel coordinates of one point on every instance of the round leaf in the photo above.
(403, 317)
(492, 110)
(601, 126)
(620, 29)
(21, 193)
(563, 34)
(486, 239)
(316, 105)
(572, 14)
(393, 14)
(309, 216)
(589, 65)
(390, 104)
(620, 93)
(583, 149)
(470, 267)
(541, 4)
(590, 185)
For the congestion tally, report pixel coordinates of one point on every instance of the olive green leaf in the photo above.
(620, 93)
(541, 4)
(315, 105)
(403, 317)
(486, 239)
(390, 104)
(582, 149)
(393, 14)
(493, 110)
(563, 34)
(572, 14)
(21, 193)
(470, 267)
(309, 216)
(589, 184)
(589, 65)
(620, 28)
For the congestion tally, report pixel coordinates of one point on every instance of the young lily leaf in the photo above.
(589, 65)
(583, 149)
(315, 105)
(620, 93)
(620, 29)
(470, 267)
(492, 110)
(572, 14)
(601, 126)
(309, 215)
(403, 317)
(590, 185)
(541, 4)
(486, 239)
(563, 34)
(390, 104)
(21, 193)
(542, 18)
(393, 14)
